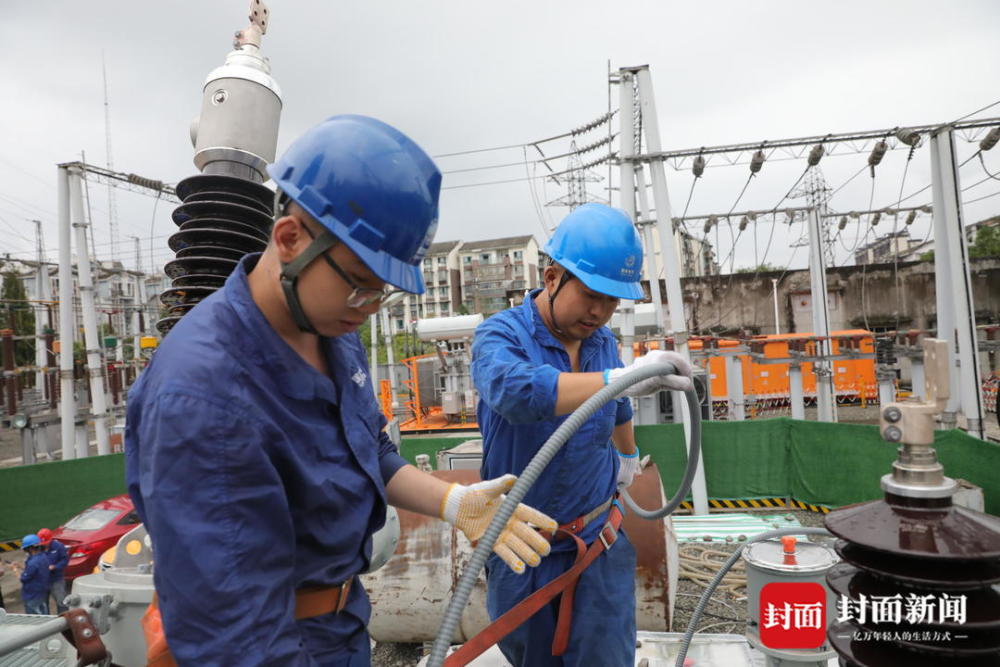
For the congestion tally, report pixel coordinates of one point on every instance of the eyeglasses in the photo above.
(360, 296)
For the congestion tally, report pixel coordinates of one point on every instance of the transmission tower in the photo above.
(816, 191)
(112, 205)
(576, 182)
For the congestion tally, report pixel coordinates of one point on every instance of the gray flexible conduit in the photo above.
(694, 450)
(463, 590)
(700, 608)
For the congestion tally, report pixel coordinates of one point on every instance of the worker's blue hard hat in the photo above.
(30, 541)
(599, 245)
(372, 187)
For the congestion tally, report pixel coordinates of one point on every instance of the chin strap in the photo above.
(290, 277)
(552, 301)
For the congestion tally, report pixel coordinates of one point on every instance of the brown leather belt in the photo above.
(319, 600)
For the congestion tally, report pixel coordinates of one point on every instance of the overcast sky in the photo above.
(458, 76)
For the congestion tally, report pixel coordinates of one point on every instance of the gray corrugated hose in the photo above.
(453, 612)
(696, 614)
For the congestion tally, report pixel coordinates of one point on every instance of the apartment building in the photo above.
(496, 272)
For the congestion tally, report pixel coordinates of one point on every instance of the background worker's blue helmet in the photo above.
(371, 187)
(30, 541)
(599, 245)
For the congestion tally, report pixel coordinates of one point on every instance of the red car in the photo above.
(93, 531)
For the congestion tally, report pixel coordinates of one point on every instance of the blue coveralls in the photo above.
(516, 363)
(35, 584)
(57, 555)
(256, 475)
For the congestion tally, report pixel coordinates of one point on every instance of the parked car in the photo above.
(93, 531)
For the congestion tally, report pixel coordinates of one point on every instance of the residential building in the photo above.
(884, 248)
(443, 291)
(496, 272)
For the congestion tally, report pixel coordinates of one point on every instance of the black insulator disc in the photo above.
(223, 210)
(210, 251)
(191, 235)
(219, 183)
(185, 295)
(184, 266)
(199, 280)
(181, 309)
(232, 197)
(166, 324)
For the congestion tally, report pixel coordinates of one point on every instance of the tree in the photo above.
(987, 245)
(18, 316)
(762, 268)
(987, 242)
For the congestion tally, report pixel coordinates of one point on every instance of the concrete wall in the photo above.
(884, 296)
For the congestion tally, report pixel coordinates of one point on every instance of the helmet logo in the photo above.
(630, 261)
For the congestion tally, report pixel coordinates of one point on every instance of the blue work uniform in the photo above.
(35, 584)
(58, 556)
(256, 475)
(516, 364)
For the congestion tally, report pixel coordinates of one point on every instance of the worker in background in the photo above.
(255, 451)
(58, 557)
(533, 365)
(35, 577)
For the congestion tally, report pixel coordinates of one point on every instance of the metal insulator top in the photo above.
(908, 136)
(926, 209)
(757, 161)
(698, 166)
(876, 218)
(855, 215)
(816, 154)
(744, 221)
(877, 153)
(990, 140)
(712, 220)
(843, 222)
(911, 217)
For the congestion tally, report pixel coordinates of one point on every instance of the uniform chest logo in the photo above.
(359, 377)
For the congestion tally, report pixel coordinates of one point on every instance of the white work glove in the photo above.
(471, 508)
(679, 382)
(629, 465)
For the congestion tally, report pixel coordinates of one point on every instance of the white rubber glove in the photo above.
(629, 465)
(679, 382)
(471, 508)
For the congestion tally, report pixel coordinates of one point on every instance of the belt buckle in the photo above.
(343, 592)
(608, 541)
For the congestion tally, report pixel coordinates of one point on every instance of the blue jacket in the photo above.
(255, 475)
(35, 577)
(57, 555)
(516, 364)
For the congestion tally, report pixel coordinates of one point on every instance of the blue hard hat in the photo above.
(372, 187)
(599, 245)
(30, 541)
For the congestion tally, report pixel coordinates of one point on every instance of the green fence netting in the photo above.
(817, 463)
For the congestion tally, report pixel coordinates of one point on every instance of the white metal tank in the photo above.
(448, 328)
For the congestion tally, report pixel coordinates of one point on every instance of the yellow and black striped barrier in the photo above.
(759, 504)
(13, 545)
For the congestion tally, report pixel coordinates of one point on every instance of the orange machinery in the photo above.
(853, 378)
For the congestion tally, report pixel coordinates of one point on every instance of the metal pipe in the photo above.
(734, 385)
(29, 636)
(953, 281)
(99, 404)
(67, 321)
(825, 398)
(671, 267)
(795, 391)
